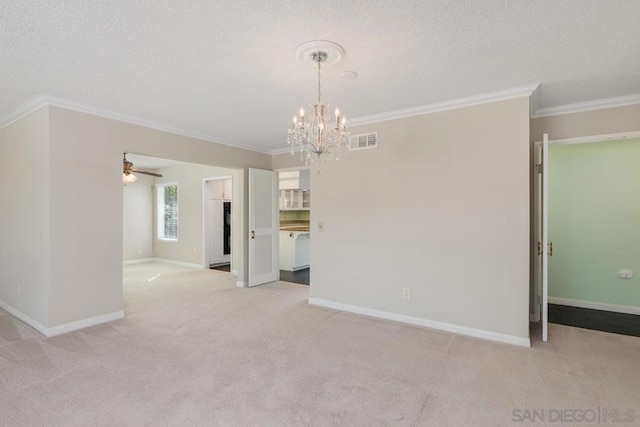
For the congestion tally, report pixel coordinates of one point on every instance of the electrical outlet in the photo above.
(625, 274)
(405, 293)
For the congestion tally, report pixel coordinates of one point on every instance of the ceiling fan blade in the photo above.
(157, 175)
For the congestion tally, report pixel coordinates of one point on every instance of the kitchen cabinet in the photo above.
(294, 250)
(226, 189)
(295, 180)
(305, 180)
(295, 200)
(294, 190)
(220, 189)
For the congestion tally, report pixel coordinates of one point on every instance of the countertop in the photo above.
(295, 228)
(302, 226)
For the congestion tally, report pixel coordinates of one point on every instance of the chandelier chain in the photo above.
(318, 82)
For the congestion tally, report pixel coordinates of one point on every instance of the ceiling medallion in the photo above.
(316, 134)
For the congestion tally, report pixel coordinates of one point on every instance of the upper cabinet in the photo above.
(226, 189)
(305, 179)
(220, 189)
(295, 191)
(295, 180)
(295, 200)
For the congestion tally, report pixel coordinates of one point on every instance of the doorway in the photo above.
(165, 217)
(218, 218)
(294, 195)
(593, 217)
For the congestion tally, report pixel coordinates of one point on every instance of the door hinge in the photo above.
(539, 248)
(539, 168)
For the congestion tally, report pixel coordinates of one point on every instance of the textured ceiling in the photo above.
(227, 69)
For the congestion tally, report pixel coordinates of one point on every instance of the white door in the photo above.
(543, 247)
(264, 227)
(547, 246)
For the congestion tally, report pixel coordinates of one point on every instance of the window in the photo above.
(168, 212)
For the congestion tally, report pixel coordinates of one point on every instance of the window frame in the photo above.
(160, 209)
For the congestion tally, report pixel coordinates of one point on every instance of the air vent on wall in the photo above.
(363, 141)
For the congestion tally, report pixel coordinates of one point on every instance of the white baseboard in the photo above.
(448, 327)
(84, 323)
(242, 284)
(137, 261)
(26, 319)
(595, 305)
(180, 263)
(60, 329)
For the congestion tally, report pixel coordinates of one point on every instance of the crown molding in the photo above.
(42, 100)
(533, 101)
(598, 104)
(31, 106)
(532, 91)
(594, 138)
(454, 104)
(285, 150)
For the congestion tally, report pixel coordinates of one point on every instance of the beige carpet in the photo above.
(196, 350)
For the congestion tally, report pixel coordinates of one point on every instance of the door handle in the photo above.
(550, 248)
(253, 234)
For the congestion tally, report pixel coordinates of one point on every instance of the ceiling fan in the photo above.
(127, 171)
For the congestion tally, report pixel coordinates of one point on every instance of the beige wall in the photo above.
(189, 246)
(403, 220)
(287, 161)
(441, 207)
(86, 203)
(137, 215)
(24, 219)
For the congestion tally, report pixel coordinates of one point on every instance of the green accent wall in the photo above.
(594, 221)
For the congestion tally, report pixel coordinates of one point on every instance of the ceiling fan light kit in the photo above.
(129, 178)
(127, 171)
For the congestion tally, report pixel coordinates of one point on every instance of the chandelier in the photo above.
(316, 134)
